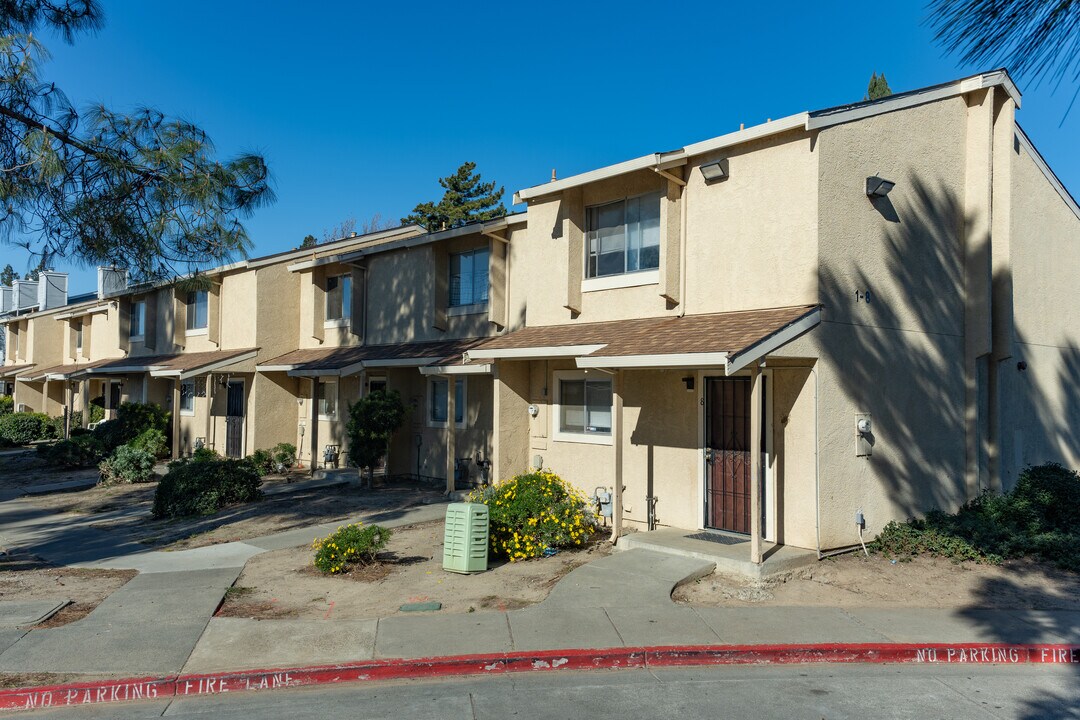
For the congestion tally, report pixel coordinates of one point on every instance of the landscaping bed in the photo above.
(22, 470)
(285, 583)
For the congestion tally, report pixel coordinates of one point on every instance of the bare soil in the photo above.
(285, 583)
(25, 577)
(875, 581)
(275, 513)
(21, 470)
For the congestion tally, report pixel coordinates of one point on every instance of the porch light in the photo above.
(714, 171)
(878, 187)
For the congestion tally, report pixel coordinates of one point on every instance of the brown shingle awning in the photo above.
(59, 372)
(7, 371)
(181, 365)
(731, 339)
(351, 360)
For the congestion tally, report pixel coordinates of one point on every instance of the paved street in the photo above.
(812, 692)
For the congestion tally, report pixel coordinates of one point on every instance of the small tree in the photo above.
(309, 241)
(878, 87)
(372, 422)
(466, 200)
(7, 275)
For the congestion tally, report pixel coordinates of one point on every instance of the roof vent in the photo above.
(110, 281)
(52, 289)
(25, 294)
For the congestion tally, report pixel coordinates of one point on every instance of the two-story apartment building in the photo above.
(398, 315)
(836, 316)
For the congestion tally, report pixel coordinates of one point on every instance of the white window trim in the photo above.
(559, 435)
(191, 412)
(337, 397)
(346, 310)
(464, 392)
(339, 323)
(190, 307)
(197, 331)
(141, 337)
(474, 309)
(624, 280)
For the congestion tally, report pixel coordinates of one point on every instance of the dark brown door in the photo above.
(727, 454)
(234, 419)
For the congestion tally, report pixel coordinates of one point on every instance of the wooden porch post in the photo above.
(451, 431)
(69, 404)
(209, 385)
(84, 400)
(107, 384)
(314, 418)
(617, 443)
(755, 464)
(175, 418)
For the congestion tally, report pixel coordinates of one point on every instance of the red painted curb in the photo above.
(93, 693)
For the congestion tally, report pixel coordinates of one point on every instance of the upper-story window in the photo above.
(469, 277)
(623, 236)
(138, 319)
(197, 310)
(78, 327)
(338, 298)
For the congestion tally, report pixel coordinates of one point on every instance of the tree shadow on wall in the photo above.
(901, 356)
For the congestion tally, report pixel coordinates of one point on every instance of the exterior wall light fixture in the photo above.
(878, 187)
(715, 171)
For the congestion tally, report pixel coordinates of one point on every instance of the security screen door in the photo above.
(234, 419)
(727, 454)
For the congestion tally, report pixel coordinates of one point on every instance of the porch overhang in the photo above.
(178, 367)
(8, 371)
(728, 341)
(348, 361)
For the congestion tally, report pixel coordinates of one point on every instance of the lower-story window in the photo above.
(438, 401)
(187, 397)
(583, 408)
(328, 399)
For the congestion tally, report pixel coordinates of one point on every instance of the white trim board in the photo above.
(533, 353)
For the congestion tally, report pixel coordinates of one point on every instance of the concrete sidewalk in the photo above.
(161, 623)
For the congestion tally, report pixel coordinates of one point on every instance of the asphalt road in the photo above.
(814, 692)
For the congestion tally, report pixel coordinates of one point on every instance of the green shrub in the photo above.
(373, 419)
(82, 450)
(151, 441)
(282, 456)
(97, 413)
(7, 404)
(349, 545)
(24, 428)
(201, 485)
(533, 512)
(1039, 518)
(132, 419)
(127, 465)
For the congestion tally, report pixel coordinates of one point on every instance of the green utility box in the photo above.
(465, 545)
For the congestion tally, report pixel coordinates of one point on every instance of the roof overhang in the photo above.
(209, 367)
(533, 353)
(83, 313)
(473, 369)
(772, 342)
(672, 360)
(806, 121)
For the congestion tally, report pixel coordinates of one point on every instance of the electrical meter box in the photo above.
(465, 544)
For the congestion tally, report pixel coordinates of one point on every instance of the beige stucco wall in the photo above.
(1040, 413)
(900, 356)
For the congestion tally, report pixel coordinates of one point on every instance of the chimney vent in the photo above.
(25, 294)
(52, 289)
(110, 281)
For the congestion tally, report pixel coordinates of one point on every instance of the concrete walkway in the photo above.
(161, 622)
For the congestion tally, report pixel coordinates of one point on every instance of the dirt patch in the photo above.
(21, 470)
(859, 581)
(284, 583)
(25, 577)
(125, 510)
(22, 680)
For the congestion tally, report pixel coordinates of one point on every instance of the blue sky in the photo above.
(360, 107)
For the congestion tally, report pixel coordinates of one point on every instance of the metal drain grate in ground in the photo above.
(717, 538)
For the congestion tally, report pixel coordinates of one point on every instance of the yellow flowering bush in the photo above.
(349, 544)
(535, 512)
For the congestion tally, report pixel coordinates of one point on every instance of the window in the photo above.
(338, 298)
(327, 399)
(438, 401)
(469, 277)
(623, 236)
(78, 327)
(583, 410)
(197, 307)
(138, 319)
(187, 397)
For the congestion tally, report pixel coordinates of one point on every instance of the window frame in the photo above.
(138, 310)
(557, 431)
(79, 326)
(463, 407)
(476, 306)
(626, 278)
(187, 412)
(192, 302)
(321, 397)
(346, 301)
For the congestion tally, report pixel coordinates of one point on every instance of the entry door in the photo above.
(234, 419)
(727, 454)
